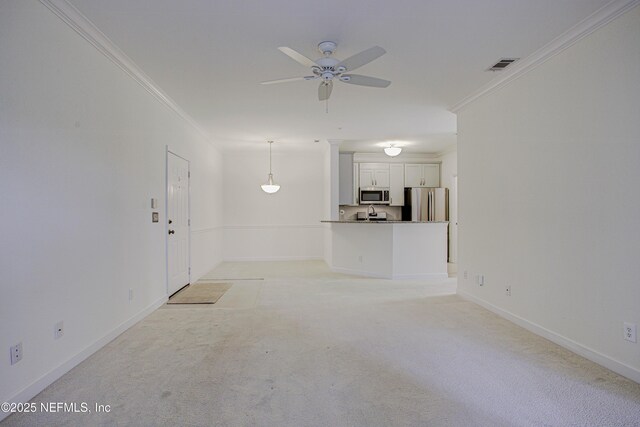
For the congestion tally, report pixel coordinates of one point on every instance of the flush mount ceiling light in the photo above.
(392, 150)
(270, 187)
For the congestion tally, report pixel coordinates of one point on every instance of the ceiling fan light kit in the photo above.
(270, 187)
(328, 68)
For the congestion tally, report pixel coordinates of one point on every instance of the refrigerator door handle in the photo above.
(432, 206)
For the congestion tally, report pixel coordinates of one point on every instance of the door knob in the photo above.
(172, 232)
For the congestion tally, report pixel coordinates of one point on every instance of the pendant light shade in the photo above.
(270, 187)
(392, 150)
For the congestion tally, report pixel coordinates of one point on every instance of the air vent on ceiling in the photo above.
(502, 64)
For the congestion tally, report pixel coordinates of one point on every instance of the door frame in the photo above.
(166, 214)
(453, 243)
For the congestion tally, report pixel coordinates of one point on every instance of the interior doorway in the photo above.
(178, 223)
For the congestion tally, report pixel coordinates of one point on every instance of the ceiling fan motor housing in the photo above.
(327, 62)
(327, 48)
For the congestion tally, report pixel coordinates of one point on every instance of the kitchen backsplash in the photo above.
(394, 213)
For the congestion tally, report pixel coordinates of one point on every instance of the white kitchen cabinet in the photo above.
(412, 175)
(374, 175)
(381, 177)
(396, 184)
(366, 177)
(347, 181)
(356, 183)
(422, 175)
(431, 174)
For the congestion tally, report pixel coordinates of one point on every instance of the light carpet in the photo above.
(331, 350)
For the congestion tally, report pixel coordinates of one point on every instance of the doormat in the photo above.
(200, 293)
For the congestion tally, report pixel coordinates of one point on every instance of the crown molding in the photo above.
(453, 149)
(359, 157)
(85, 28)
(596, 20)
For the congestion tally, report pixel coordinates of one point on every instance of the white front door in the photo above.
(177, 222)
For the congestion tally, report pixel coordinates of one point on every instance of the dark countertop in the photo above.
(352, 221)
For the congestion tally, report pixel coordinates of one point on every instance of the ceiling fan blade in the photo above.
(291, 79)
(356, 79)
(362, 58)
(298, 57)
(324, 90)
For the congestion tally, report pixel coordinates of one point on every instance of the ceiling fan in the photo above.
(327, 68)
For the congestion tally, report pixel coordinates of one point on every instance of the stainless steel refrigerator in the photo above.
(426, 204)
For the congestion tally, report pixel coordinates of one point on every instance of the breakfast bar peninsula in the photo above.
(389, 249)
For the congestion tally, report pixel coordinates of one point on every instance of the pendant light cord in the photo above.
(270, 142)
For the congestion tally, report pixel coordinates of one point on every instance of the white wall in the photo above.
(281, 226)
(82, 153)
(448, 168)
(329, 175)
(548, 202)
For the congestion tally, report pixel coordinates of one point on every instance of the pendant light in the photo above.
(270, 187)
(392, 150)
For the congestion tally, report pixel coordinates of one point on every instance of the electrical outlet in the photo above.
(480, 279)
(466, 275)
(58, 330)
(16, 353)
(629, 330)
(130, 295)
(507, 290)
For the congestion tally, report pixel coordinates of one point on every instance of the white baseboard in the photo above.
(431, 276)
(599, 358)
(275, 258)
(354, 272)
(47, 379)
(358, 273)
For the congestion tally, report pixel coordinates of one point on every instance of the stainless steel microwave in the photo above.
(374, 196)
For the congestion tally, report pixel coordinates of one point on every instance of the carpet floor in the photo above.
(307, 347)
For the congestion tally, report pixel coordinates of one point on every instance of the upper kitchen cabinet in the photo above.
(396, 184)
(422, 175)
(374, 175)
(347, 180)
